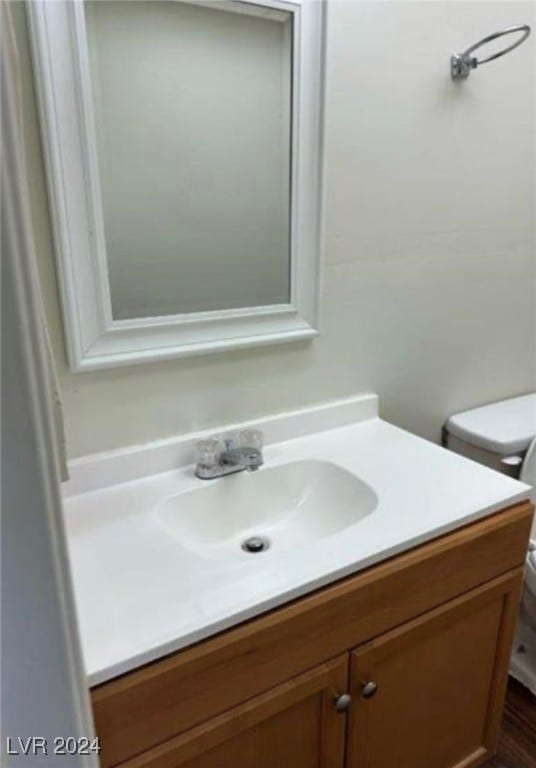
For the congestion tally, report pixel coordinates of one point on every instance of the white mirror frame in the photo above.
(94, 339)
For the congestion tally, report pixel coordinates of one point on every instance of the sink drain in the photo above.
(255, 544)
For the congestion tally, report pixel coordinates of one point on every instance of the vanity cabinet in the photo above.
(295, 724)
(437, 685)
(403, 664)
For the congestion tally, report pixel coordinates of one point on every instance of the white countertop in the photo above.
(141, 595)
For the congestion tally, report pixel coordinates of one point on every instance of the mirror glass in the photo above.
(192, 106)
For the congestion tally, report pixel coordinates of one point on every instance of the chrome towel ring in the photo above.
(461, 64)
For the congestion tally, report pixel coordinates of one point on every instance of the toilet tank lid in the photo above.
(505, 427)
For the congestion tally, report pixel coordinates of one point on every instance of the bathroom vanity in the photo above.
(379, 638)
(408, 658)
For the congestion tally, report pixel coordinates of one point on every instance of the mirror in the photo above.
(199, 219)
(183, 149)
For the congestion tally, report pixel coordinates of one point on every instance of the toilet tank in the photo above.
(497, 434)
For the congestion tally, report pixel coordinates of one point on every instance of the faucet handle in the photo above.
(251, 438)
(251, 441)
(208, 452)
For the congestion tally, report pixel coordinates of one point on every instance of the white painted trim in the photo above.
(101, 470)
(94, 339)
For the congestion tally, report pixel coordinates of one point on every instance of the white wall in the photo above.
(193, 129)
(44, 692)
(429, 287)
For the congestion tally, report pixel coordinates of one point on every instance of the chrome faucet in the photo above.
(218, 458)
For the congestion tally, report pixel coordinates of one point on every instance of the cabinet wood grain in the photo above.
(295, 724)
(440, 684)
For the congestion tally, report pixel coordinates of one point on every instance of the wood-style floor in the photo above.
(517, 742)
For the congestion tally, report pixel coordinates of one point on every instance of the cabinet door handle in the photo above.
(342, 703)
(368, 689)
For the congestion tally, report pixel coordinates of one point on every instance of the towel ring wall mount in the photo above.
(461, 64)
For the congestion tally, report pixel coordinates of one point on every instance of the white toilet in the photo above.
(503, 436)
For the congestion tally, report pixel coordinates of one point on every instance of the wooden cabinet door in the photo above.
(294, 725)
(440, 680)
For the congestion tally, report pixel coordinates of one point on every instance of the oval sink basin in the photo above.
(280, 508)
